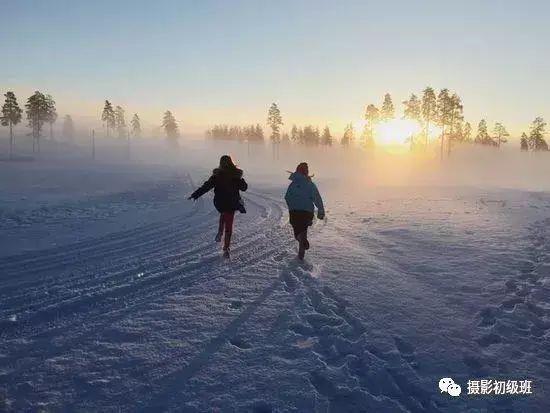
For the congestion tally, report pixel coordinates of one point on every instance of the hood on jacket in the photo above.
(302, 194)
(237, 173)
(297, 176)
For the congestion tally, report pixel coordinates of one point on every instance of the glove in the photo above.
(191, 197)
(320, 215)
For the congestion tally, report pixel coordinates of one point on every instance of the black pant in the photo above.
(300, 220)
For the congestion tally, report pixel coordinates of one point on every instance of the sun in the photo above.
(395, 131)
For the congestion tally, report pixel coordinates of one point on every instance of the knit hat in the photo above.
(303, 169)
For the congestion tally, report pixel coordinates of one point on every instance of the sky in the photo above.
(322, 61)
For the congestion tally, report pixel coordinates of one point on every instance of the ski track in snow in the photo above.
(65, 290)
(81, 292)
(153, 319)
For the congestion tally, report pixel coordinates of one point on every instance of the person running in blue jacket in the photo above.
(302, 196)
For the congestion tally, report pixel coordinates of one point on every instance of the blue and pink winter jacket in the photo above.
(302, 194)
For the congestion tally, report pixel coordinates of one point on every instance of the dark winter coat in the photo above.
(226, 183)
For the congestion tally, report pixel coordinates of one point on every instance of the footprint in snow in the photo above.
(488, 316)
(474, 363)
(510, 305)
(280, 257)
(239, 342)
(489, 339)
(290, 282)
(405, 348)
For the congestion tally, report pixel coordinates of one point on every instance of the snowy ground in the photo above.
(114, 297)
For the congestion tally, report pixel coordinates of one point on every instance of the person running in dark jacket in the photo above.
(302, 196)
(227, 180)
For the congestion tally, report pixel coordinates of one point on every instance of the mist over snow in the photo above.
(115, 297)
(423, 281)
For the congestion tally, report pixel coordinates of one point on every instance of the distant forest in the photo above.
(244, 133)
(442, 111)
(40, 111)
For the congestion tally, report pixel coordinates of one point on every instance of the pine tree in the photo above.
(170, 126)
(443, 106)
(259, 133)
(467, 132)
(310, 135)
(444, 113)
(301, 136)
(349, 135)
(413, 108)
(108, 117)
(388, 111)
(524, 142)
(457, 116)
(536, 137)
(482, 136)
(37, 114)
(51, 116)
(68, 128)
(316, 136)
(372, 118)
(120, 122)
(413, 111)
(501, 133)
(11, 116)
(275, 121)
(135, 124)
(455, 121)
(326, 139)
(429, 110)
(458, 133)
(294, 133)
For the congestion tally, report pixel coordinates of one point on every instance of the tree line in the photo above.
(114, 122)
(309, 135)
(429, 109)
(249, 133)
(535, 140)
(445, 110)
(40, 110)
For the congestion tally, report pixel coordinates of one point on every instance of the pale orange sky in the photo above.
(225, 62)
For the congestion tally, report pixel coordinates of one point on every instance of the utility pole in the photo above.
(93, 144)
(128, 144)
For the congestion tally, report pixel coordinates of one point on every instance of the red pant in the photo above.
(226, 225)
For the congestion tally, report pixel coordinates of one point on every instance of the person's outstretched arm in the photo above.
(207, 186)
(318, 201)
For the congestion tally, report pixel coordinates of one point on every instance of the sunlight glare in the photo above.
(396, 131)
